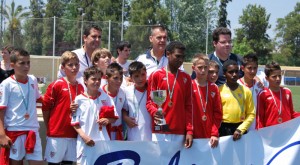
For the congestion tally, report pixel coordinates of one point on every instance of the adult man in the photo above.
(155, 58)
(223, 46)
(123, 51)
(92, 40)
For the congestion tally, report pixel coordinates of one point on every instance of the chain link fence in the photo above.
(53, 36)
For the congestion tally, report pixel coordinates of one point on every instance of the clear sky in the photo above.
(277, 9)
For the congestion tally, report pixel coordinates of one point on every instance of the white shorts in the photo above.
(18, 152)
(60, 149)
(167, 137)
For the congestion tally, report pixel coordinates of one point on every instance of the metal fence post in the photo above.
(53, 51)
(109, 33)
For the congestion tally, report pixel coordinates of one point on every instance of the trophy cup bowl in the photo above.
(159, 97)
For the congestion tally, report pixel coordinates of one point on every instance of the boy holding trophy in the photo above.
(169, 99)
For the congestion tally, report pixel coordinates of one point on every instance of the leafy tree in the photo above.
(253, 33)
(192, 24)
(94, 12)
(14, 14)
(242, 47)
(147, 12)
(34, 28)
(288, 34)
(53, 8)
(111, 10)
(223, 22)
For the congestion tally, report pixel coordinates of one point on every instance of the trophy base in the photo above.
(164, 128)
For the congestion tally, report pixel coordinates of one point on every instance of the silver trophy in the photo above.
(159, 97)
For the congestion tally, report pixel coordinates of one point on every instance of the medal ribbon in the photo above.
(136, 108)
(23, 95)
(280, 104)
(171, 92)
(206, 98)
(70, 93)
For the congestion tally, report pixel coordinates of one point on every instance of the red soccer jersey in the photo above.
(57, 101)
(267, 109)
(206, 124)
(179, 115)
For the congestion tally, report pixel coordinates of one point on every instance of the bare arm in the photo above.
(46, 116)
(130, 121)
(88, 141)
(188, 141)
(5, 141)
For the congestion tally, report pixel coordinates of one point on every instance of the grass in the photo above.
(296, 96)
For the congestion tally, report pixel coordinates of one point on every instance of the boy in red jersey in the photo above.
(57, 105)
(177, 108)
(207, 104)
(275, 104)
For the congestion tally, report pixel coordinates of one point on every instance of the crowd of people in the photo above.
(98, 97)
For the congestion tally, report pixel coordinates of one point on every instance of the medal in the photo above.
(26, 116)
(204, 117)
(279, 120)
(170, 104)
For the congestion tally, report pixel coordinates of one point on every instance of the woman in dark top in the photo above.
(5, 68)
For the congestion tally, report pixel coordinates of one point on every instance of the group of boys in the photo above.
(79, 114)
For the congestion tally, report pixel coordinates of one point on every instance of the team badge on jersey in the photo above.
(104, 102)
(212, 94)
(240, 95)
(32, 85)
(287, 97)
(120, 99)
(184, 80)
(14, 151)
(52, 154)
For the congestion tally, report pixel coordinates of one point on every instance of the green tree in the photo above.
(34, 28)
(288, 36)
(53, 8)
(147, 12)
(192, 25)
(14, 14)
(94, 12)
(242, 47)
(223, 22)
(111, 10)
(253, 33)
